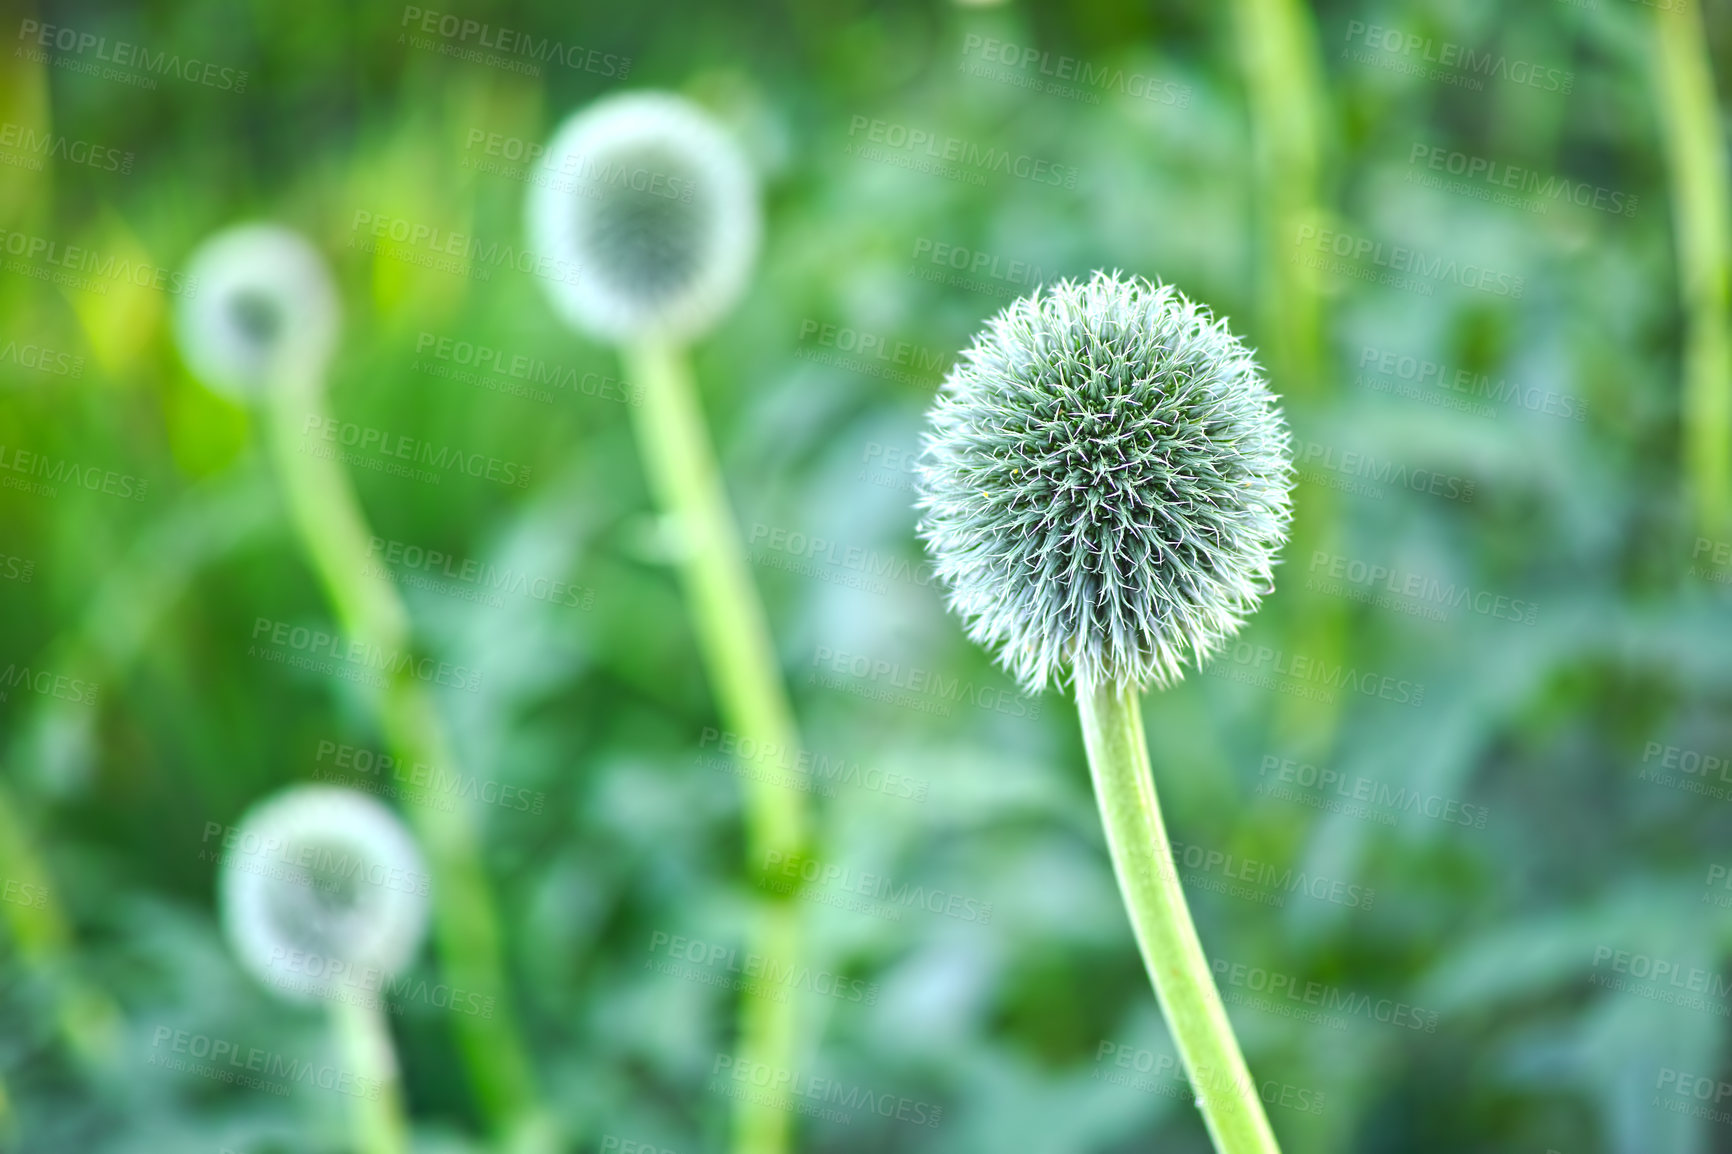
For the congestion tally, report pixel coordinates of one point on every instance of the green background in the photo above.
(1267, 132)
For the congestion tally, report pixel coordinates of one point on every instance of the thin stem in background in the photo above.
(745, 675)
(1286, 101)
(1696, 156)
(334, 532)
(1112, 724)
(367, 1052)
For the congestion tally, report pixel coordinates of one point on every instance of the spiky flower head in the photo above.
(264, 306)
(655, 207)
(323, 886)
(1104, 483)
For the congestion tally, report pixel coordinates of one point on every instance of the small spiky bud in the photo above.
(264, 306)
(1105, 482)
(320, 885)
(656, 209)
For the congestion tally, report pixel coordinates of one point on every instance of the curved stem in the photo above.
(1691, 122)
(334, 532)
(365, 1039)
(1112, 724)
(743, 671)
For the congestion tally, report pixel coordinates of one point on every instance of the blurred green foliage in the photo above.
(1506, 957)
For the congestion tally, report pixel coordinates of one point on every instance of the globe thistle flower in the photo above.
(264, 306)
(657, 210)
(1105, 483)
(323, 886)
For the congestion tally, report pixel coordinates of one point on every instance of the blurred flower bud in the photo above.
(264, 306)
(323, 893)
(656, 209)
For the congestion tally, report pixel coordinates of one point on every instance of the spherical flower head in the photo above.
(263, 306)
(1105, 483)
(319, 882)
(655, 209)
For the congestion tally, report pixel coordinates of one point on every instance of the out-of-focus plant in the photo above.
(656, 209)
(263, 326)
(324, 897)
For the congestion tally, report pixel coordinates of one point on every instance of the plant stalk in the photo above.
(365, 1038)
(1695, 154)
(744, 674)
(334, 532)
(1112, 724)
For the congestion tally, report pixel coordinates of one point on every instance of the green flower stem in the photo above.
(1288, 105)
(1284, 89)
(1700, 204)
(1112, 723)
(365, 1038)
(734, 642)
(466, 926)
